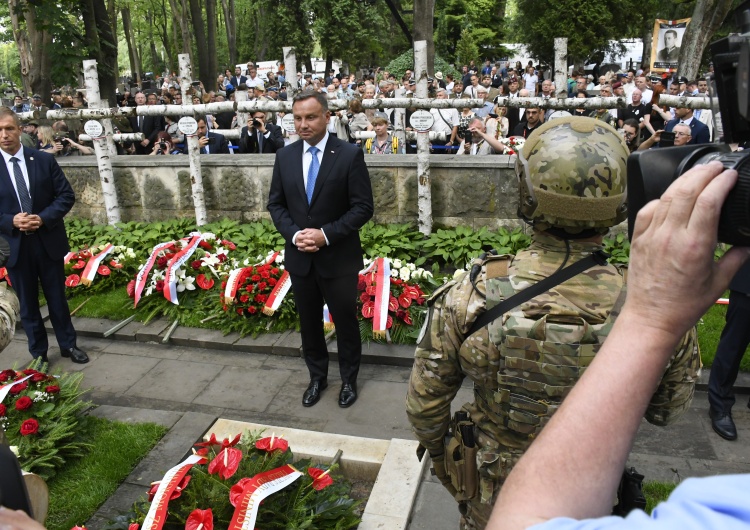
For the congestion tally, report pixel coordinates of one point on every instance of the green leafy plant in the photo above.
(400, 64)
(618, 248)
(396, 241)
(456, 248)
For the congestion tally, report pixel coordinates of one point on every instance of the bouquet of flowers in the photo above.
(100, 267)
(404, 292)
(39, 414)
(249, 478)
(257, 292)
(195, 263)
(512, 144)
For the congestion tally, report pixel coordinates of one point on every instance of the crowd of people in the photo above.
(467, 131)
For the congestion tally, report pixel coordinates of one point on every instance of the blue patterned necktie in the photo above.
(312, 173)
(23, 191)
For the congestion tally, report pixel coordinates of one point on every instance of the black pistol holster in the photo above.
(629, 493)
(461, 456)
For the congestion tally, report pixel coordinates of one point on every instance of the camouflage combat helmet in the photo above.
(572, 176)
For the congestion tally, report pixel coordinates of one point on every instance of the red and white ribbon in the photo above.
(258, 488)
(157, 513)
(723, 301)
(142, 278)
(170, 278)
(328, 324)
(234, 280)
(6, 388)
(68, 257)
(382, 277)
(270, 259)
(277, 294)
(89, 272)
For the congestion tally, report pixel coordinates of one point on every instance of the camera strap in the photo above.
(597, 258)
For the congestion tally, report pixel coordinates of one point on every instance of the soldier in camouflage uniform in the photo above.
(572, 181)
(10, 308)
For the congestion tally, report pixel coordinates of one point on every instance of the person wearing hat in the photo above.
(683, 82)
(36, 104)
(259, 92)
(29, 137)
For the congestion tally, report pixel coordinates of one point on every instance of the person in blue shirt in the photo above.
(568, 477)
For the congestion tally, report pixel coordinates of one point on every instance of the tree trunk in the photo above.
(180, 12)
(33, 46)
(424, 13)
(648, 36)
(708, 16)
(230, 22)
(156, 62)
(135, 60)
(165, 37)
(199, 30)
(107, 58)
(213, 67)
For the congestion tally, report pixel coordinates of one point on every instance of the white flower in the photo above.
(397, 263)
(211, 260)
(404, 273)
(394, 273)
(149, 290)
(412, 267)
(185, 283)
(246, 263)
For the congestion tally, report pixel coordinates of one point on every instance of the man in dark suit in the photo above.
(237, 79)
(699, 132)
(150, 126)
(259, 136)
(34, 198)
(319, 199)
(210, 143)
(734, 341)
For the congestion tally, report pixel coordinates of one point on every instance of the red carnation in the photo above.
(18, 388)
(228, 244)
(103, 270)
(255, 278)
(261, 298)
(244, 298)
(30, 426)
(52, 389)
(37, 377)
(80, 264)
(272, 282)
(29, 371)
(274, 270)
(239, 310)
(196, 264)
(252, 309)
(115, 265)
(131, 288)
(159, 285)
(3, 410)
(23, 403)
(265, 274)
(162, 262)
(262, 286)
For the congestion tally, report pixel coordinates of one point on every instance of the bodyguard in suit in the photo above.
(210, 143)
(700, 133)
(320, 197)
(34, 198)
(259, 136)
(734, 341)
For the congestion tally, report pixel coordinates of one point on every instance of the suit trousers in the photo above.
(735, 338)
(33, 267)
(340, 293)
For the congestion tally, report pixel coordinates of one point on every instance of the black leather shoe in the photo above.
(312, 394)
(723, 425)
(76, 354)
(348, 395)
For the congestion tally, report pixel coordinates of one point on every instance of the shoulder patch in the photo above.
(497, 266)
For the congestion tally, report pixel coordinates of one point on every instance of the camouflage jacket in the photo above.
(538, 348)
(9, 314)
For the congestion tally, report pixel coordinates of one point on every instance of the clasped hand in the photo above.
(310, 240)
(27, 222)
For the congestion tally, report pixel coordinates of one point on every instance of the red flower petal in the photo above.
(368, 309)
(226, 462)
(321, 478)
(404, 300)
(236, 491)
(103, 270)
(392, 303)
(204, 282)
(272, 443)
(198, 518)
(80, 264)
(133, 526)
(72, 280)
(115, 265)
(131, 288)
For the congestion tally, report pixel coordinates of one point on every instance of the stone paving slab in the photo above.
(176, 380)
(290, 345)
(263, 343)
(117, 373)
(244, 389)
(127, 332)
(203, 338)
(152, 332)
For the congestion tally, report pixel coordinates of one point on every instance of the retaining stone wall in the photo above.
(472, 191)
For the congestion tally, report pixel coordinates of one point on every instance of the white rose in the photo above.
(404, 273)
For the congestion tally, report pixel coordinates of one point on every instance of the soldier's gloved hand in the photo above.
(438, 468)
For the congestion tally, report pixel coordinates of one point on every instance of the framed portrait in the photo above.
(666, 42)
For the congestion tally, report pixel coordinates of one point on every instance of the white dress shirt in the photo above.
(306, 159)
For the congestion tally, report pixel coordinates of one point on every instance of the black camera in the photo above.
(651, 172)
(256, 123)
(163, 146)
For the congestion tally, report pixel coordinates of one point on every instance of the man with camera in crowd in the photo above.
(259, 136)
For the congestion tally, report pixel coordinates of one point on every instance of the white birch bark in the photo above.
(186, 74)
(424, 185)
(116, 138)
(196, 181)
(561, 67)
(103, 154)
(240, 99)
(290, 72)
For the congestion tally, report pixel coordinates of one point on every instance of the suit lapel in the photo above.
(8, 185)
(299, 176)
(329, 158)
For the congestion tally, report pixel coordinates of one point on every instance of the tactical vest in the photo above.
(394, 145)
(538, 362)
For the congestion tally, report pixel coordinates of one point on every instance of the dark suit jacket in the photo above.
(699, 132)
(341, 204)
(217, 144)
(237, 81)
(152, 126)
(52, 197)
(249, 142)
